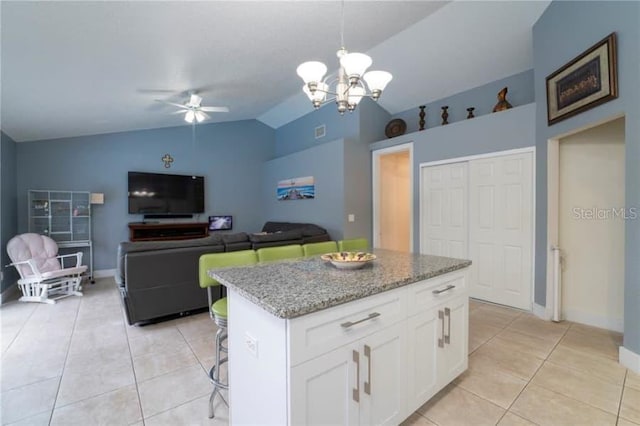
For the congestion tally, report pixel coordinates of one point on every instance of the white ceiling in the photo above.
(79, 68)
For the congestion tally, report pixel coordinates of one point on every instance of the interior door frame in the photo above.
(375, 174)
(468, 158)
(553, 210)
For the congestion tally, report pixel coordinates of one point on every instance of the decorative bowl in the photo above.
(395, 127)
(348, 259)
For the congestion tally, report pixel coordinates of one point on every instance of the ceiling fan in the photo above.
(193, 110)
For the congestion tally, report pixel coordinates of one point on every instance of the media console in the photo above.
(140, 231)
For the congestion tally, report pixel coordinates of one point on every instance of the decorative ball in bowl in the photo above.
(348, 259)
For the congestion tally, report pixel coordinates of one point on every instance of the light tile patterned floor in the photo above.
(78, 363)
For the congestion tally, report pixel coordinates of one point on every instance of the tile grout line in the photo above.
(64, 365)
(624, 382)
(135, 378)
(19, 330)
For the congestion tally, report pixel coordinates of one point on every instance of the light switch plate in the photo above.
(352, 218)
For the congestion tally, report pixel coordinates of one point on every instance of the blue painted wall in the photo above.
(501, 131)
(8, 205)
(230, 156)
(554, 44)
(299, 134)
(482, 98)
(325, 163)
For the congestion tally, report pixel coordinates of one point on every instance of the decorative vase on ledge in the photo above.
(422, 116)
(470, 112)
(445, 115)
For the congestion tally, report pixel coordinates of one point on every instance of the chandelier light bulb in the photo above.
(312, 71)
(318, 95)
(354, 96)
(377, 81)
(189, 116)
(355, 64)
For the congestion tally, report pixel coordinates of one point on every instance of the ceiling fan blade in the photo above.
(178, 112)
(214, 109)
(173, 103)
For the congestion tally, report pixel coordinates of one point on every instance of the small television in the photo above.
(165, 194)
(220, 223)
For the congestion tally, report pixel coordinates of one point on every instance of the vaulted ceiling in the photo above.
(79, 68)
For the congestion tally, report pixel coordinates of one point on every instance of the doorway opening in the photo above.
(586, 217)
(392, 198)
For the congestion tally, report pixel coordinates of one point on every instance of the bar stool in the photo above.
(218, 310)
(356, 244)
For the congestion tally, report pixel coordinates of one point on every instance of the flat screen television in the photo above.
(164, 194)
(220, 223)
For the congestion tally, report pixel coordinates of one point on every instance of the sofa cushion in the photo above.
(308, 229)
(294, 234)
(130, 247)
(236, 237)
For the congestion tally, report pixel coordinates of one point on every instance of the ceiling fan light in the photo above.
(312, 71)
(200, 116)
(355, 64)
(189, 116)
(377, 80)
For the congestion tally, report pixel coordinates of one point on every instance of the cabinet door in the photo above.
(384, 385)
(453, 358)
(423, 331)
(322, 389)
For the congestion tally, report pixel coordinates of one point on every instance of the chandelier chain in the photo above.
(342, 27)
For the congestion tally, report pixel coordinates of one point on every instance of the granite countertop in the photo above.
(292, 288)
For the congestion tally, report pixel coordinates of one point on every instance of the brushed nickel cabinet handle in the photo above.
(348, 324)
(447, 337)
(447, 288)
(441, 340)
(356, 391)
(367, 384)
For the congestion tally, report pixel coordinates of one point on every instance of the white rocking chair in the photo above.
(43, 276)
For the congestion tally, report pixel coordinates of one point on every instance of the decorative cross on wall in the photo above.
(167, 160)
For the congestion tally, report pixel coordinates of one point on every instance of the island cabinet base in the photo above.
(370, 361)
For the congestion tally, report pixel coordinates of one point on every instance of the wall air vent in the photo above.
(321, 131)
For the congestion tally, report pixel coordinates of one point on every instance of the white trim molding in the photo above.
(541, 312)
(629, 359)
(375, 156)
(480, 156)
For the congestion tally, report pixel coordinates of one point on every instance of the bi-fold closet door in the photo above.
(482, 209)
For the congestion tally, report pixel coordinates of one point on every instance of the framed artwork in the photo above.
(301, 188)
(585, 82)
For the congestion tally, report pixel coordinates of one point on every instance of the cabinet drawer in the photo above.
(318, 333)
(427, 294)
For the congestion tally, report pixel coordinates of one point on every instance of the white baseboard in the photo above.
(541, 312)
(581, 317)
(103, 273)
(630, 359)
(10, 293)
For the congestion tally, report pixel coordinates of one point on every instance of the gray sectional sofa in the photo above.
(160, 278)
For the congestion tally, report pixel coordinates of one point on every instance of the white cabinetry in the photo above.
(438, 330)
(371, 361)
(361, 383)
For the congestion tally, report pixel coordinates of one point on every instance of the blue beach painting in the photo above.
(301, 188)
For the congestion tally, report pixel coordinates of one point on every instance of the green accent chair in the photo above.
(270, 254)
(356, 244)
(315, 249)
(218, 309)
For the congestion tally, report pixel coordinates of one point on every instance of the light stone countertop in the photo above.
(292, 288)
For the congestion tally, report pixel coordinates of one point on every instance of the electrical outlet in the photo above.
(252, 344)
(352, 218)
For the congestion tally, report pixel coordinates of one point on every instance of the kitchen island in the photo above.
(311, 344)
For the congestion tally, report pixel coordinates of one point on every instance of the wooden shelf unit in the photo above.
(140, 231)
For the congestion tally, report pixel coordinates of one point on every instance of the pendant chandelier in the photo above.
(352, 83)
